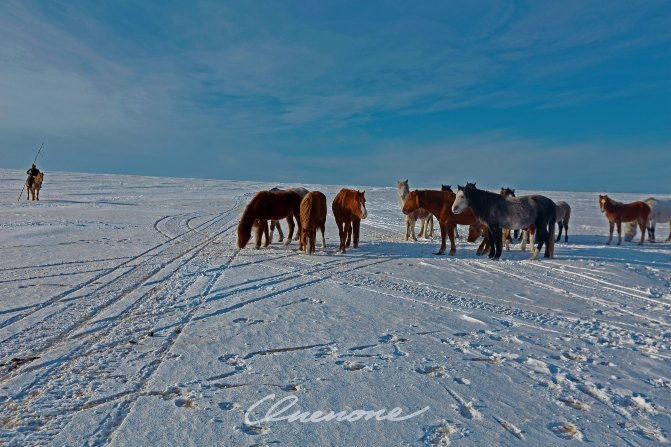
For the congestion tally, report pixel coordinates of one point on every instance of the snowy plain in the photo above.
(128, 317)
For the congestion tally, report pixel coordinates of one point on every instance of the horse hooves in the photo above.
(440, 253)
(452, 253)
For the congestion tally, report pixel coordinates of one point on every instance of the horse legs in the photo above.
(356, 226)
(498, 241)
(407, 228)
(443, 233)
(506, 238)
(291, 225)
(427, 234)
(541, 236)
(610, 234)
(532, 237)
(450, 233)
(322, 227)
(643, 223)
(492, 241)
(550, 240)
(313, 237)
(412, 228)
(259, 232)
(422, 227)
(560, 225)
(619, 232)
(341, 233)
(266, 233)
(348, 232)
(651, 230)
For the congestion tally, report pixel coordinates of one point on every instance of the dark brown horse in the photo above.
(349, 207)
(439, 203)
(313, 216)
(265, 206)
(618, 212)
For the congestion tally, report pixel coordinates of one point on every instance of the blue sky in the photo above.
(571, 95)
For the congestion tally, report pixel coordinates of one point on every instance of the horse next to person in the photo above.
(618, 212)
(265, 206)
(349, 207)
(439, 203)
(660, 212)
(563, 216)
(499, 212)
(313, 216)
(35, 187)
(425, 217)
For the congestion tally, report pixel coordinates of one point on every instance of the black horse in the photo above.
(500, 212)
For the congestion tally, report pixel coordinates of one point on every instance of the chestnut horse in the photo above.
(618, 212)
(349, 207)
(35, 187)
(439, 203)
(265, 206)
(498, 212)
(313, 216)
(421, 214)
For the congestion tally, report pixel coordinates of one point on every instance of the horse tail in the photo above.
(306, 211)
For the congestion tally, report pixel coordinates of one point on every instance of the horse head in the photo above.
(460, 201)
(411, 202)
(507, 192)
(603, 199)
(474, 232)
(470, 185)
(447, 188)
(361, 199)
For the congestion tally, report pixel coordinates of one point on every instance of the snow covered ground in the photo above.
(127, 316)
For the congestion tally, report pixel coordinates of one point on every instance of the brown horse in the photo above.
(618, 212)
(313, 216)
(265, 206)
(474, 232)
(349, 207)
(35, 187)
(439, 203)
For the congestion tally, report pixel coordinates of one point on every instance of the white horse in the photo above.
(661, 212)
(423, 215)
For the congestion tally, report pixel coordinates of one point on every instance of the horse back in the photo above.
(274, 205)
(313, 209)
(345, 204)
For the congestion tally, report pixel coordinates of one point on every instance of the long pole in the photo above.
(34, 161)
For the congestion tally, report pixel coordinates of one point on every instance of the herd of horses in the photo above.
(493, 216)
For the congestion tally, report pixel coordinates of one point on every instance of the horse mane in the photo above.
(480, 200)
